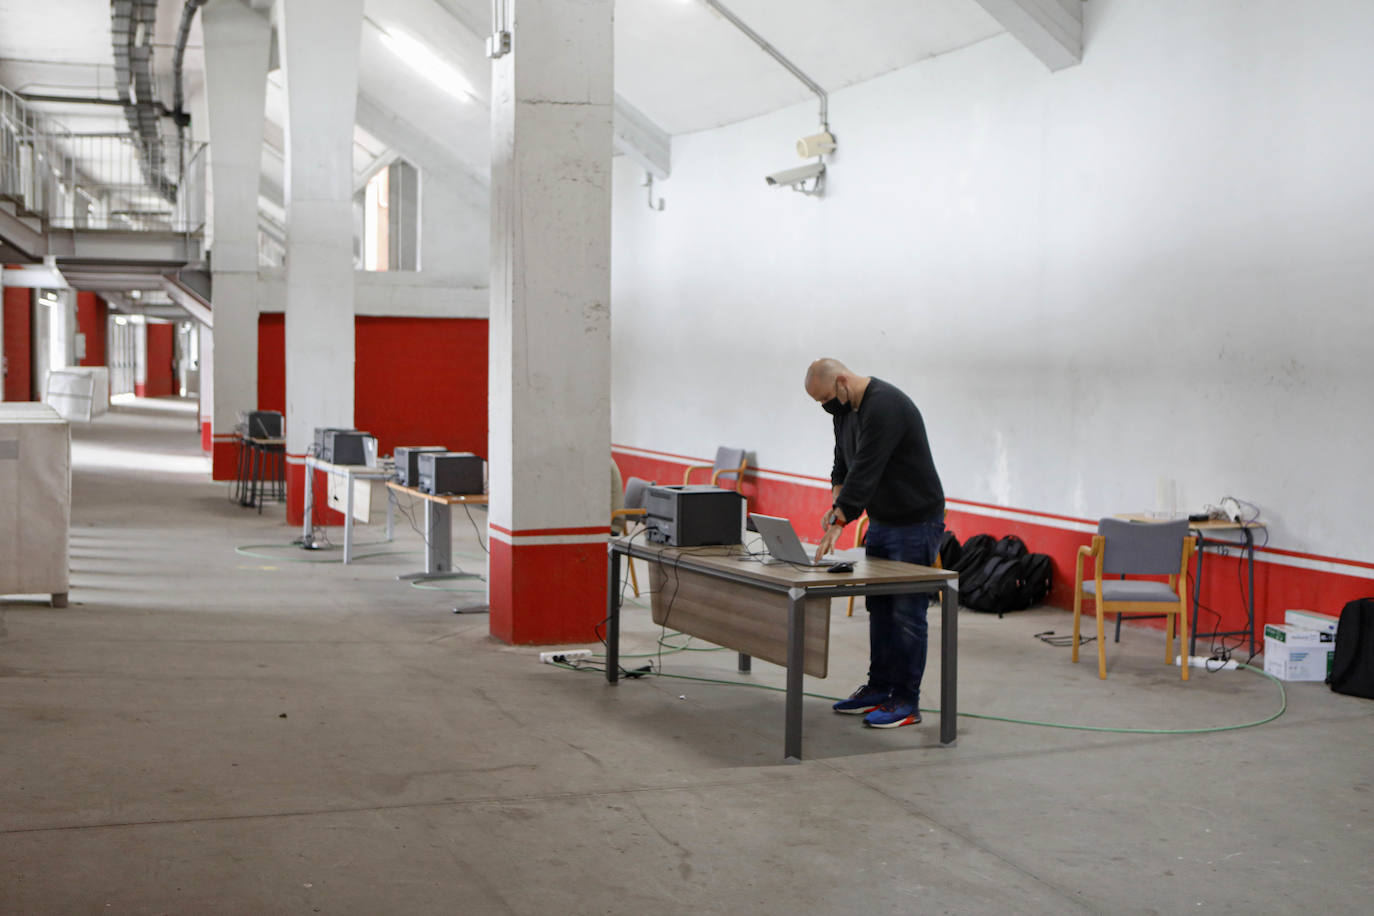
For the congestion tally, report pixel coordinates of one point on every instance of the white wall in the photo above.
(1155, 265)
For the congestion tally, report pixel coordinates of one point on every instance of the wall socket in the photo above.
(564, 655)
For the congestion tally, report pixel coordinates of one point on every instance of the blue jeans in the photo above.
(897, 623)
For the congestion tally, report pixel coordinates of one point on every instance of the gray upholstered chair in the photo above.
(729, 465)
(622, 516)
(1121, 548)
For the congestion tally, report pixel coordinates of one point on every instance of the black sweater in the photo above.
(883, 463)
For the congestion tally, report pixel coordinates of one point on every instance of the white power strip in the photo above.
(564, 655)
(1211, 664)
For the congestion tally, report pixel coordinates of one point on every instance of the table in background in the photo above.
(255, 454)
(1246, 544)
(349, 473)
(438, 531)
(776, 611)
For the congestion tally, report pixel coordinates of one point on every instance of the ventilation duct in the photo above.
(132, 25)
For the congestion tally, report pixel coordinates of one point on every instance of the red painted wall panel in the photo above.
(421, 381)
(272, 361)
(91, 314)
(161, 378)
(1278, 585)
(18, 318)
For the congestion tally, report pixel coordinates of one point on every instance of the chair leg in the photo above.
(1077, 613)
(1183, 640)
(1169, 639)
(634, 580)
(1101, 642)
(850, 612)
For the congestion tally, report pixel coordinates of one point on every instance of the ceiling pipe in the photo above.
(188, 13)
(777, 56)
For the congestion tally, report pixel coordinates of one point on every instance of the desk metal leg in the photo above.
(613, 616)
(1197, 594)
(1250, 562)
(390, 515)
(308, 523)
(796, 643)
(745, 663)
(949, 662)
(348, 519)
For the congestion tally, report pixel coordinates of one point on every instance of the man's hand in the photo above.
(832, 534)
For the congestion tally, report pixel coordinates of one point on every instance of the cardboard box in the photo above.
(1311, 620)
(1297, 654)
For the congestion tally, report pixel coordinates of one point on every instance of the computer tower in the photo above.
(345, 446)
(451, 472)
(261, 424)
(693, 516)
(408, 462)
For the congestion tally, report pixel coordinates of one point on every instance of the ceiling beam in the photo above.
(1052, 30)
(421, 149)
(641, 139)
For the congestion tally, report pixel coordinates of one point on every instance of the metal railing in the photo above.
(98, 181)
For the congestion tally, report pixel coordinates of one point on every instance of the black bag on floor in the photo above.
(1352, 660)
(1036, 578)
(974, 553)
(950, 550)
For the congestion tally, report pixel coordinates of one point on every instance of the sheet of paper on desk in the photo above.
(362, 497)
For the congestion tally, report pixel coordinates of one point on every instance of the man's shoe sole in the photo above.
(858, 711)
(909, 720)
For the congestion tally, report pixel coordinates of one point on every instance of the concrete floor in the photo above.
(205, 731)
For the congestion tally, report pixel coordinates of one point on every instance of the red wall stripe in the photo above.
(18, 319)
(1277, 587)
(550, 532)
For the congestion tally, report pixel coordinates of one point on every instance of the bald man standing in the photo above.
(883, 465)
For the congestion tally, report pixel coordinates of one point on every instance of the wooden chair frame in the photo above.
(1178, 583)
(715, 476)
(629, 560)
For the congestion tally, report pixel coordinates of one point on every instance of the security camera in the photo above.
(797, 178)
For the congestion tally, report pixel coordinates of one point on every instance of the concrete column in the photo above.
(61, 331)
(237, 44)
(550, 352)
(319, 42)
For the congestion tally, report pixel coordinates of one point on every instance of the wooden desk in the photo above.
(777, 611)
(1201, 530)
(438, 531)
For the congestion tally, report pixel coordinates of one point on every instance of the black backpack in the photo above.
(1352, 660)
(973, 554)
(1036, 578)
(995, 586)
(950, 550)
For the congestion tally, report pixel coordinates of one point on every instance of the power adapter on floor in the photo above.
(1211, 664)
(564, 656)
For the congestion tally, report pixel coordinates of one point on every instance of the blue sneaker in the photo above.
(893, 714)
(865, 699)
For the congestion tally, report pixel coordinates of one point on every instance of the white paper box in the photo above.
(1296, 654)
(1311, 620)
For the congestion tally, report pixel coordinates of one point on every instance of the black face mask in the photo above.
(835, 407)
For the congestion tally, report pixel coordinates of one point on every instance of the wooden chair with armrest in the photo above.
(729, 465)
(1122, 548)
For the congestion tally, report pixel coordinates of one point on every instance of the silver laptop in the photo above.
(783, 543)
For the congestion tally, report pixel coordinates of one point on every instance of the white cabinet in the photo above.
(35, 501)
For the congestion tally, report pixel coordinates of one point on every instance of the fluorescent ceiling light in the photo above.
(428, 64)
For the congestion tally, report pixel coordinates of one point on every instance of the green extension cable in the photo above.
(247, 551)
(1283, 704)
